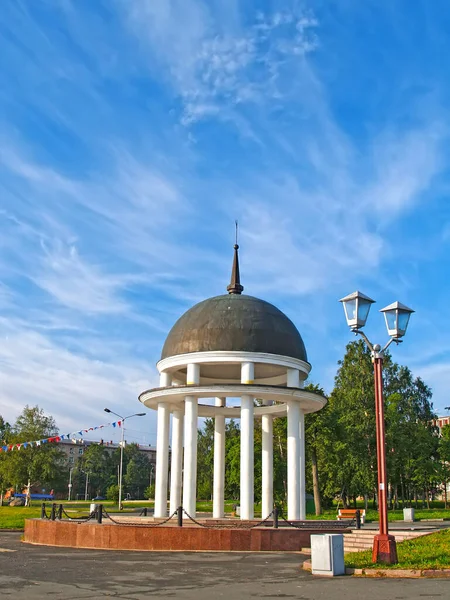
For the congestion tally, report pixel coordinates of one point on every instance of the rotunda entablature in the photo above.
(275, 397)
(221, 366)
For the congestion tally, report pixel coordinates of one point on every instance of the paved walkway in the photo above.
(38, 572)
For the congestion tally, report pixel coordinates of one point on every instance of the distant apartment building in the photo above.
(440, 422)
(75, 448)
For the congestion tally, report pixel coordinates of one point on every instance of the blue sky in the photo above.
(134, 132)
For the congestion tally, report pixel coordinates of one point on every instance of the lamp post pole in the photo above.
(152, 468)
(86, 488)
(384, 545)
(122, 443)
(70, 483)
(356, 307)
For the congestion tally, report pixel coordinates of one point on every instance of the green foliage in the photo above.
(320, 438)
(102, 468)
(137, 475)
(149, 491)
(347, 444)
(96, 462)
(41, 465)
(205, 460)
(112, 493)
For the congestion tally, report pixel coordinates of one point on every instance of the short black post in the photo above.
(53, 513)
(144, 512)
(60, 511)
(275, 517)
(43, 515)
(99, 513)
(180, 516)
(358, 519)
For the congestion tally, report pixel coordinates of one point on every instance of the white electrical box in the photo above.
(408, 514)
(327, 554)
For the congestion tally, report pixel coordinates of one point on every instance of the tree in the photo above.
(205, 460)
(96, 461)
(40, 465)
(444, 455)
(411, 439)
(137, 475)
(319, 436)
(353, 403)
(5, 433)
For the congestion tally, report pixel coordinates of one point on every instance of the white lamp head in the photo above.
(356, 308)
(397, 318)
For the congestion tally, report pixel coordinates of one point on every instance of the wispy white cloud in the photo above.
(79, 285)
(71, 387)
(405, 163)
(211, 66)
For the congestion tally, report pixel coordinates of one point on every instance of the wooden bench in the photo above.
(350, 513)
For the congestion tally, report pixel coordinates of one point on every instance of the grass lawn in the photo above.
(13, 517)
(426, 552)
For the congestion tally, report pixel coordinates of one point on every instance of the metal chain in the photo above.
(195, 520)
(84, 519)
(263, 521)
(108, 516)
(231, 525)
(319, 524)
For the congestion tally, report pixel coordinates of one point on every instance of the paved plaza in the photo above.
(34, 572)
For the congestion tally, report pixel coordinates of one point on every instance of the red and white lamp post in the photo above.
(356, 308)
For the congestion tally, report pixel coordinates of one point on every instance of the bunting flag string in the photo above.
(56, 438)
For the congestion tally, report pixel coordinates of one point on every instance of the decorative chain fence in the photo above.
(317, 524)
(58, 512)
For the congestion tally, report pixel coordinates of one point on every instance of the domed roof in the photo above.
(234, 322)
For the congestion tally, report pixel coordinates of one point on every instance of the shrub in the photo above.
(112, 493)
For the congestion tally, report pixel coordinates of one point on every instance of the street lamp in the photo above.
(70, 483)
(152, 471)
(356, 308)
(86, 487)
(121, 447)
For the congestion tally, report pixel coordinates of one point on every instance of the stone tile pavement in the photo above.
(37, 572)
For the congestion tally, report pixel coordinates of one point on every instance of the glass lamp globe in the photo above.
(356, 308)
(397, 317)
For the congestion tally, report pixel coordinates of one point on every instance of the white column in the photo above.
(267, 465)
(293, 378)
(162, 460)
(302, 466)
(165, 380)
(247, 457)
(219, 463)
(293, 460)
(190, 454)
(193, 374)
(176, 460)
(247, 372)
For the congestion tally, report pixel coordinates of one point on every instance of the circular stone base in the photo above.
(108, 536)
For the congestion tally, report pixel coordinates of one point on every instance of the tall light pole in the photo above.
(356, 308)
(122, 441)
(152, 470)
(70, 483)
(86, 488)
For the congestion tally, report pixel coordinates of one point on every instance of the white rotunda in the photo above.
(231, 346)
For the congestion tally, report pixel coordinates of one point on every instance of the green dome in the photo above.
(234, 322)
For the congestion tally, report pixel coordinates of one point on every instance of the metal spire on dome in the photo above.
(235, 286)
